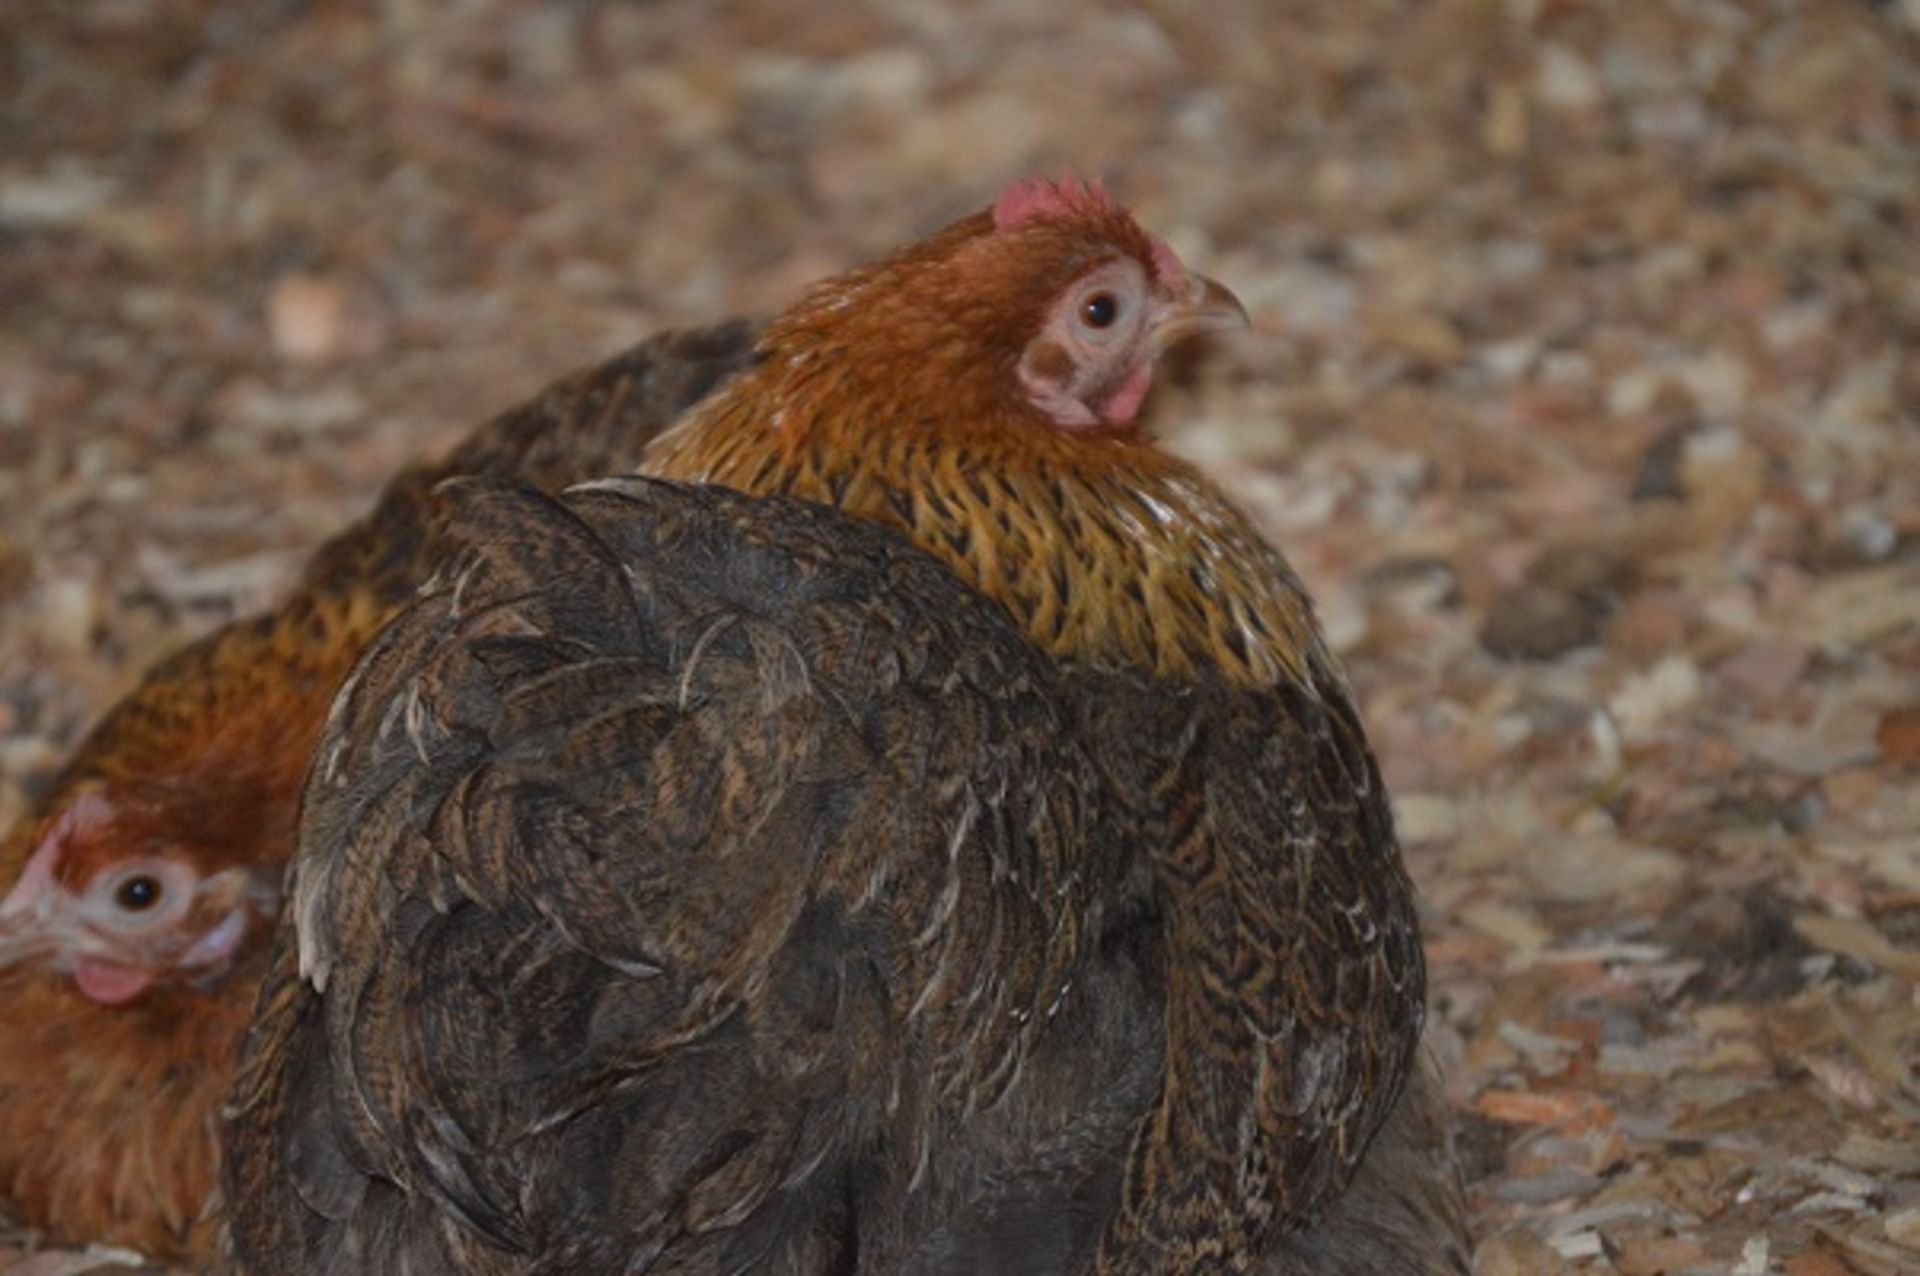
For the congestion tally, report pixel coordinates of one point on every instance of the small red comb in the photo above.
(1038, 197)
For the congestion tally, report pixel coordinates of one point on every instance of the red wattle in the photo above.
(1124, 403)
(108, 983)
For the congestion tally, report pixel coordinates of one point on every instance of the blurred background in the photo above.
(1584, 392)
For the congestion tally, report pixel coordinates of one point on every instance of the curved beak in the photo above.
(1207, 307)
(23, 941)
(30, 921)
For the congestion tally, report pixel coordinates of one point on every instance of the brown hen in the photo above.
(145, 882)
(980, 392)
(734, 822)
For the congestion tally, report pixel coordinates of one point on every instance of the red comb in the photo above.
(1038, 197)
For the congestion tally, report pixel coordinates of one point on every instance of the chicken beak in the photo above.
(27, 914)
(1208, 306)
(24, 941)
(26, 935)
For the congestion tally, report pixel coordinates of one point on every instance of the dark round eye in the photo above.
(1100, 310)
(137, 894)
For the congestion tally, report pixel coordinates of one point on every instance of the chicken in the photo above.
(702, 883)
(132, 940)
(981, 392)
(614, 937)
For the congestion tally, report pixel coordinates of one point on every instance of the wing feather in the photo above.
(694, 883)
(616, 810)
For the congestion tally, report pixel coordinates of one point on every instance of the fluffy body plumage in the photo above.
(693, 883)
(1192, 987)
(118, 1033)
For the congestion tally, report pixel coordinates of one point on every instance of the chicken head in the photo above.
(118, 923)
(1092, 363)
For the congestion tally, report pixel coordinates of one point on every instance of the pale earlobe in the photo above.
(1047, 373)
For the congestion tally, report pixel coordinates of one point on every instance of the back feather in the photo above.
(691, 882)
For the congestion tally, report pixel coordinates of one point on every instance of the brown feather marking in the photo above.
(1161, 572)
(1109, 552)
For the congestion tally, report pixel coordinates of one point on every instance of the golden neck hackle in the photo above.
(1106, 549)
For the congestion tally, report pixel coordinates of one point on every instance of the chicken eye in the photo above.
(137, 894)
(141, 897)
(1100, 310)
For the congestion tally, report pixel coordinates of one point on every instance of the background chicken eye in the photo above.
(137, 894)
(1100, 310)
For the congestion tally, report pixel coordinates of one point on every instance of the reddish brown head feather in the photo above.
(945, 320)
(218, 812)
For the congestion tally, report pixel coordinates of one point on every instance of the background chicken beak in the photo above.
(26, 921)
(24, 937)
(1208, 307)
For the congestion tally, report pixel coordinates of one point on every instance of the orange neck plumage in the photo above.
(1106, 549)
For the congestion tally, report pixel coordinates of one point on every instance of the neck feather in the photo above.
(1103, 547)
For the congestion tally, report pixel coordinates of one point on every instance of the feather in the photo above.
(809, 1074)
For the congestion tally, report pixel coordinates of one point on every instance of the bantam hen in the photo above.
(145, 883)
(981, 392)
(704, 883)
